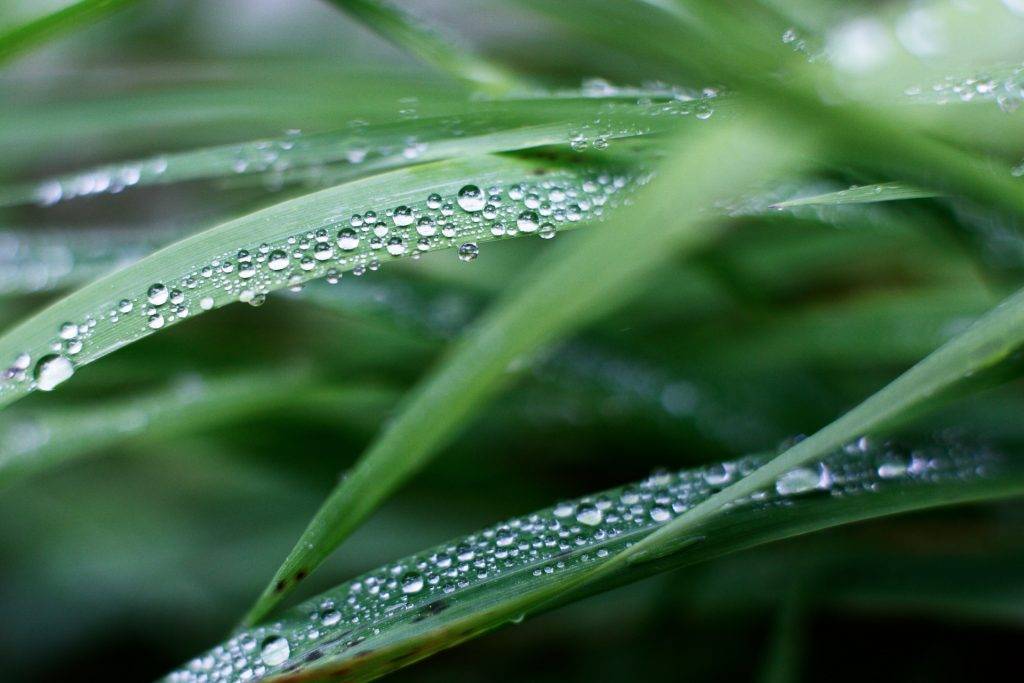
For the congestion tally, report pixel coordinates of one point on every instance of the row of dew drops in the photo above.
(568, 536)
(357, 243)
(623, 112)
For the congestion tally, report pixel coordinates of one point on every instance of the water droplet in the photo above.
(801, 480)
(278, 260)
(412, 582)
(468, 251)
(347, 239)
(589, 514)
(52, 370)
(274, 651)
(157, 295)
(471, 198)
(528, 221)
(402, 216)
(68, 331)
(396, 246)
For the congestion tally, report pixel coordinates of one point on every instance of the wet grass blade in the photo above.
(984, 349)
(75, 15)
(441, 51)
(347, 154)
(571, 286)
(414, 607)
(289, 243)
(861, 194)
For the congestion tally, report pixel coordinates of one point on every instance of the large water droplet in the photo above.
(274, 651)
(157, 294)
(347, 239)
(412, 583)
(52, 370)
(471, 198)
(589, 514)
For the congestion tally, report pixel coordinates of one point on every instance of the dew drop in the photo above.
(469, 251)
(347, 239)
(274, 651)
(402, 216)
(471, 198)
(589, 514)
(528, 221)
(412, 583)
(157, 295)
(278, 260)
(396, 246)
(52, 370)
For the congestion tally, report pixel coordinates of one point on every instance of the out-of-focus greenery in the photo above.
(815, 197)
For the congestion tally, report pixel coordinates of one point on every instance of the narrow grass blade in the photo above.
(987, 345)
(861, 194)
(572, 286)
(354, 227)
(363, 150)
(441, 51)
(68, 18)
(414, 607)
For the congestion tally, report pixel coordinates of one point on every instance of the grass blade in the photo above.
(292, 242)
(398, 26)
(441, 597)
(861, 194)
(591, 276)
(77, 14)
(982, 349)
(362, 150)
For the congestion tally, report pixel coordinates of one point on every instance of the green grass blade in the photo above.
(441, 51)
(861, 194)
(295, 241)
(986, 345)
(77, 14)
(362, 150)
(411, 608)
(590, 276)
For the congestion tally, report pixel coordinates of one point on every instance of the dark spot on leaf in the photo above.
(280, 586)
(314, 655)
(301, 574)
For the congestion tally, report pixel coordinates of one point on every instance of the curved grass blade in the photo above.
(572, 286)
(362, 150)
(425, 42)
(861, 194)
(74, 15)
(414, 607)
(349, 227)
(989, 346)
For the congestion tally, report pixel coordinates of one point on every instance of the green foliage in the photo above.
(710, 292)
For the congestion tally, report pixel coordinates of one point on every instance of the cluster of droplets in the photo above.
(357, 242)
(564, 538)
(104, 180)
(320, 158)
(1007, 90)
